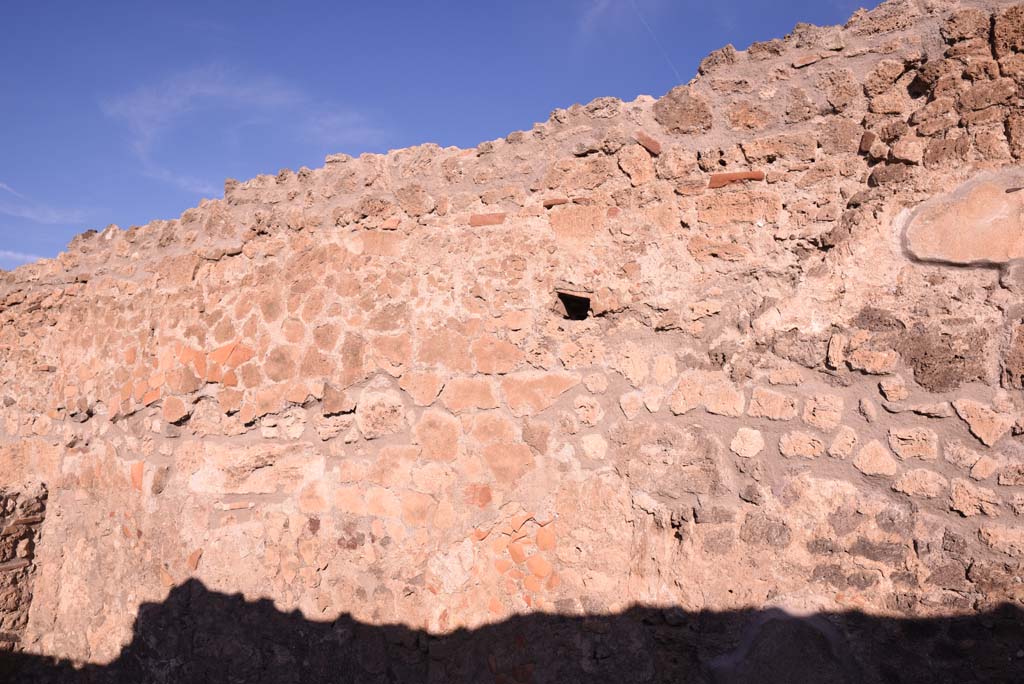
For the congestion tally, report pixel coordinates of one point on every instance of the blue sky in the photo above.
(124, 112)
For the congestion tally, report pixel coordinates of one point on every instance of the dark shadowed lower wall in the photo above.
(198, 635)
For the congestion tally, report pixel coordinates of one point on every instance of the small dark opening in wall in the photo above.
(918, 88)
(576, 307)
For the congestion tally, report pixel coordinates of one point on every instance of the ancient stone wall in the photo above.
(758, 343)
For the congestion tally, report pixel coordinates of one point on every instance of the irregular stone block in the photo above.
(379, 413)
(976, 224)
(683, 111)
(747, 443)
(711, 390)
(800, 444)
(968, 499)
(765, 403)
(921, 483)
(1008, 31)
(531, 392)
(1006, 539)
(875, 459)
(720, 180)
(914, 442)
(985, 423)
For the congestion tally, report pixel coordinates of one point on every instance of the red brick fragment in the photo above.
(519, 520)
(719, 180)
(517, 552)
(554, 202)
(199, 363)
(247, 413)
(193, 559)
(494, 605)
(186, 353)
(649, 143)
(867, 141)
(477, 220)
(538, 565)
(136, 475)
(546, 539)
(230, 400)
(183, 380)
(478, 495)
(239, 355)
(221, 354)
(806, 61)
(214, 373)
(166, 579)
(174, 409)
(16, 564)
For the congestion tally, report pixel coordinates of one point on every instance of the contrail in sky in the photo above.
(657, 43)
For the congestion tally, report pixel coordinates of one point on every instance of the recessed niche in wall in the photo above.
(574, 307)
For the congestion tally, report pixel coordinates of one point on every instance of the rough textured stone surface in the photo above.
(843, 443)
(985, 423)
(1013, 365)
(824, 412)
(978, 223)
(772, 405)
(379, 414)
(968, 499)
(875, 459)
(919, 443)
(800, 444)
(921, 483)
(683, 111)
(747, 443)
(712, 391)
(569, 406)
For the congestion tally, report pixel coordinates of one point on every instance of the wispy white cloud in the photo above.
(40, 213)
(654, 39)
(342, 128)
(18, 257)
(727, 16)
(8, 189)
(153, 113)
(23, 207)
(593, 13)
(599, 15)
(187, 183)
(151, 110)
